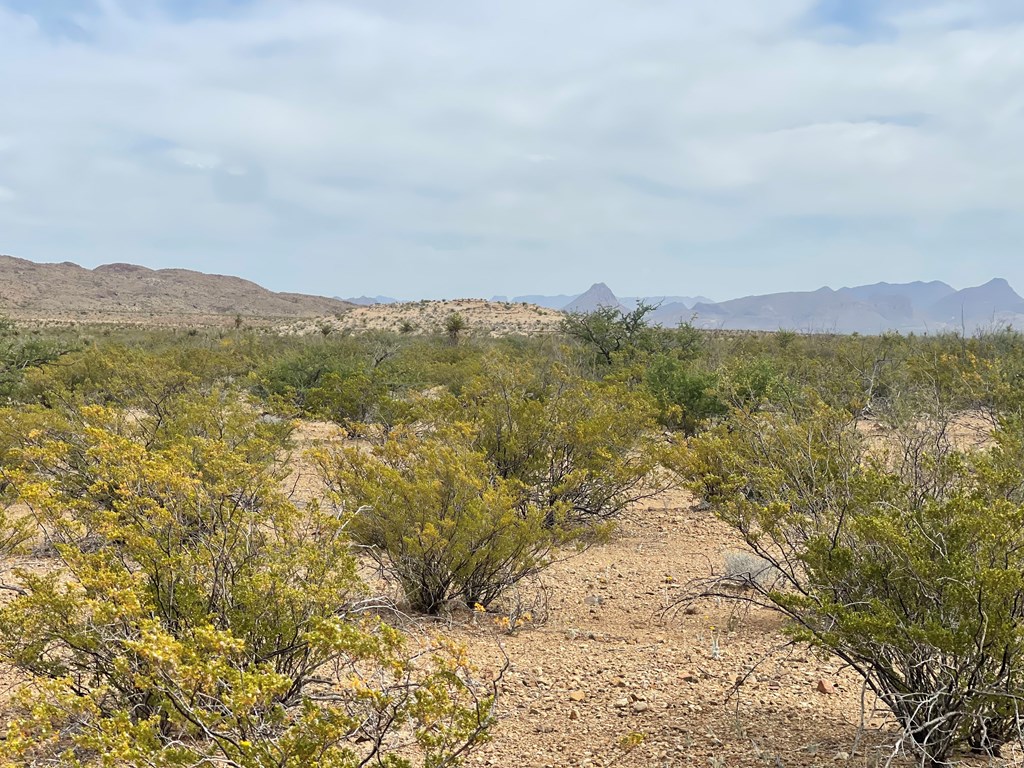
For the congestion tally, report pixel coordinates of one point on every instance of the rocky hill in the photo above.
(484, 318)
(130, 293)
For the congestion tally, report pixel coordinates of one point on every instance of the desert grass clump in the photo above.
(747, 569)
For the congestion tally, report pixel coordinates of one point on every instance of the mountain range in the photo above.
(906, 307)
(593, 298)
(369, 301)
(30, 290)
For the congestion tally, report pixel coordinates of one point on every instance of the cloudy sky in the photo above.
(471, 147)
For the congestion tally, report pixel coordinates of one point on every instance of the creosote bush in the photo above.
(211, 621)
(578, 448)
(905, 560)
(431, 512)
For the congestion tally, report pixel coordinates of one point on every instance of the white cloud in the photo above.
(190, 158)
(545, 144)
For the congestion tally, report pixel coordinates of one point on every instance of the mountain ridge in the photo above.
(33, 290)
(916, 306)
(122, 291)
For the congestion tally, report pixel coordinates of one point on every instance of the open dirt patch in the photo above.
(609, 663)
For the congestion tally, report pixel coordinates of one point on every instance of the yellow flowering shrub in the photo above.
(196, 615)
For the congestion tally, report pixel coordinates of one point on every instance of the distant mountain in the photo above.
(917, 307)
(994, 302)
(29, 290)
(136, 294)
(368, 301)
(675, 312)
(631, 302)
(597, 296)
(920, 294)
(821, 310)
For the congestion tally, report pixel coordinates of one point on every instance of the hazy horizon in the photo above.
(469, 149)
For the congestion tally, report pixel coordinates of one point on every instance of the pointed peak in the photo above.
(598, 295)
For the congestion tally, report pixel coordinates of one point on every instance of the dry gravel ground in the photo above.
(609, 662)
(613, 659)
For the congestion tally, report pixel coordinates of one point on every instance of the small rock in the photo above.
(640, 706)
(620, 703)
(574, 714)
(593, 600)
(824, 686)
(842, 756)
(577, 695)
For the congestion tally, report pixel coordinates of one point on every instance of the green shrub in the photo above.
(686, 398)
(907, 562)
(332, 381)
(430, 511)
(20, 352)
(584, 447)
(610, 334)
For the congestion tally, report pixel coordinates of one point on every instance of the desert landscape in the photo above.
(499, 534)
(583, 384)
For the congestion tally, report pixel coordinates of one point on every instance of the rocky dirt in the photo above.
(609, 657)
(702, 685)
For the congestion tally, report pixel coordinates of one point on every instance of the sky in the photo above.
(471, 148)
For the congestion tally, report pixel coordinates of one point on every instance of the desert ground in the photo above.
(613, 653)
